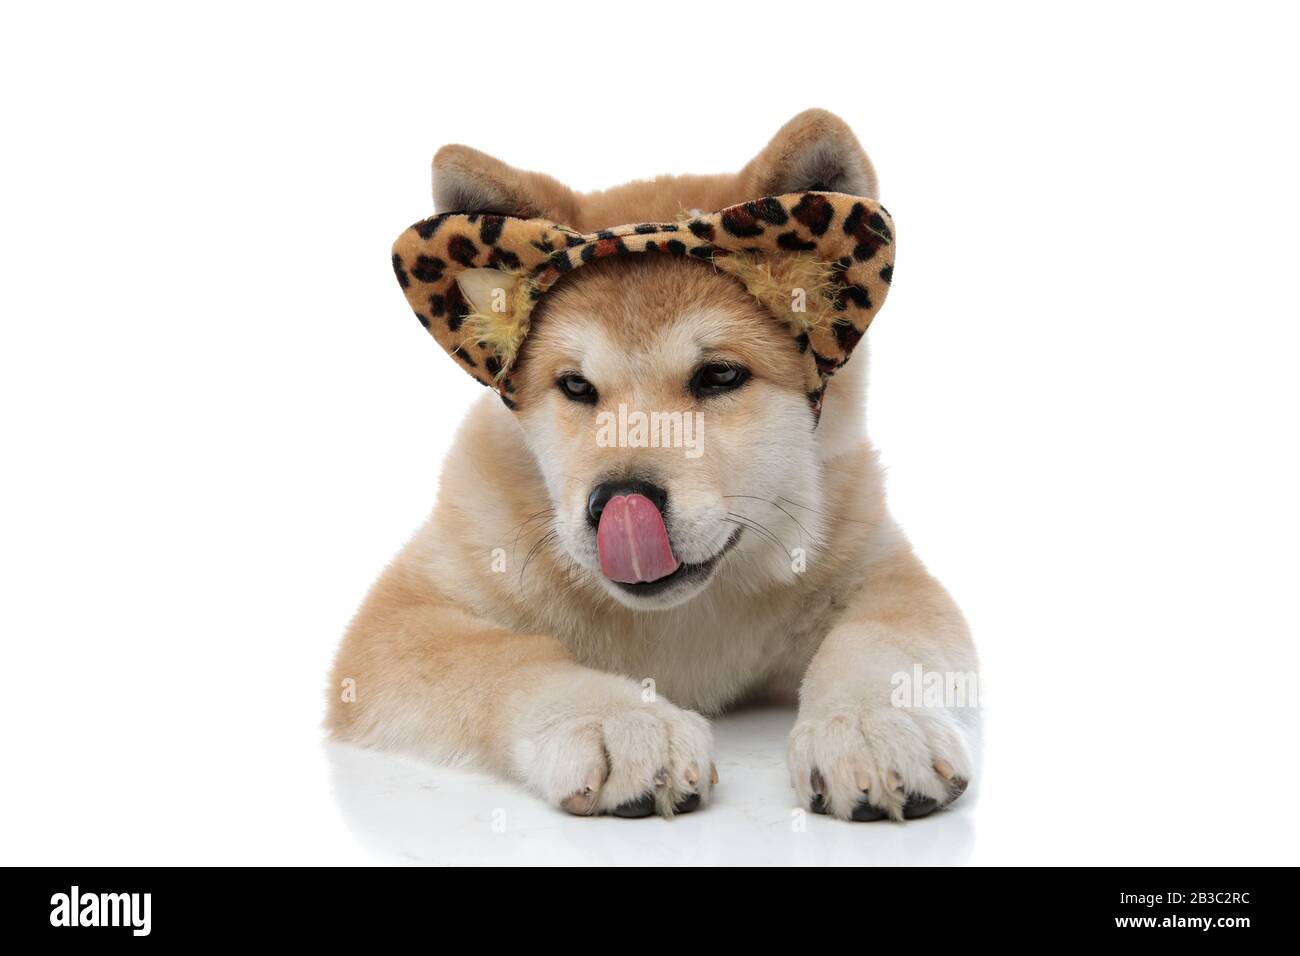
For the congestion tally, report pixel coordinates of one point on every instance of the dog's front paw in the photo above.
(600, 748)
(876, 762)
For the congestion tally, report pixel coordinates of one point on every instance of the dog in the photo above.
(574, 609)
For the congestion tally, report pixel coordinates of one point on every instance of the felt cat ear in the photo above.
(488, 291)
(816, 151)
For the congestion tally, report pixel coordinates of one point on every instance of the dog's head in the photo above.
(669, 411)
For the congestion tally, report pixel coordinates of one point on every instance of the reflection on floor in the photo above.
(406, 811)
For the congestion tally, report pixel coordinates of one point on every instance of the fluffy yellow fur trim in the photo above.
(503, 333)
(797, 287)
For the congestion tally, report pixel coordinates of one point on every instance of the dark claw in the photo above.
(956, 788)
(642, 806)
(818, 783)
(691, 803)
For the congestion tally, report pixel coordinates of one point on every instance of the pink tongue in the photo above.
(633, 542)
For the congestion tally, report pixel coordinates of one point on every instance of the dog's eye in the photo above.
(718, 377)
(578, 388)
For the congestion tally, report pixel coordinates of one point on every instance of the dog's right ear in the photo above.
(466, 180)
(816, 151)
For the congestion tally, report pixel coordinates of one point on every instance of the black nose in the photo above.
(601, 494)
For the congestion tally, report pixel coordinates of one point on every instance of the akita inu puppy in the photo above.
(574, 605)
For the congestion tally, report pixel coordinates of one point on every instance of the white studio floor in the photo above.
(406, 811)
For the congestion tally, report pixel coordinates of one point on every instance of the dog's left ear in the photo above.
(816, 151)
(466, 180)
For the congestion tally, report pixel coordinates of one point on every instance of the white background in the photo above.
(219, 419)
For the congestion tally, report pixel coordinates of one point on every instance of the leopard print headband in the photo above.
(820, 262)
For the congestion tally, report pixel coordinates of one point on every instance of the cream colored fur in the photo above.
(492, 638)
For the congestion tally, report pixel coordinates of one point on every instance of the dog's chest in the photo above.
(709, 656)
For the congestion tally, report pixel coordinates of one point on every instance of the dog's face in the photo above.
(661, 401)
